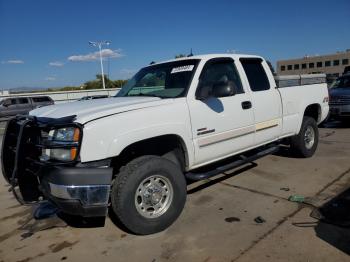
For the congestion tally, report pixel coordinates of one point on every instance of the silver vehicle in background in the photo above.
(339, 98)
(22, 105)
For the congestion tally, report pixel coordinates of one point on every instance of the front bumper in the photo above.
(80, 191)
(339, 111)
(75, 188)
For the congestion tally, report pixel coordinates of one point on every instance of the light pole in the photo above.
(99, 44)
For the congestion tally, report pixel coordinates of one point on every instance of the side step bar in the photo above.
(244, 160)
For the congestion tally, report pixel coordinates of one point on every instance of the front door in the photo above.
(10, 107)
(23, 105)
(221, 126)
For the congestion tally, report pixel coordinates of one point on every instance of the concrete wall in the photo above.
(67, 96)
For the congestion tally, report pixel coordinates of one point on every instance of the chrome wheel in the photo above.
(309, 137)
(153, 196)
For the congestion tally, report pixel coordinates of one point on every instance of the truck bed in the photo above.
(299, 80)
(297, 93)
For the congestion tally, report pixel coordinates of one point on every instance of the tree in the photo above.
(179, 56)
(97, 83)
(119, 83)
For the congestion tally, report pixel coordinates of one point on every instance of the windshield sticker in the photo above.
(182, 69)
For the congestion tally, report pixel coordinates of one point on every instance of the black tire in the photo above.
(299, 144)
(126, 184)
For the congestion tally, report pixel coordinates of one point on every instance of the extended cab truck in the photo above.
(135, 151)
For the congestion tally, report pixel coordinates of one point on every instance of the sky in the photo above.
(44, 43)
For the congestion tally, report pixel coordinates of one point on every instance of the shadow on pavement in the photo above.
(335, 124)
(227, 175)
(285, 151)
(334, 225)
(82, 222)
(336, 236)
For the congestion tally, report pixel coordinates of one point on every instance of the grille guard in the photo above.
(12, 166)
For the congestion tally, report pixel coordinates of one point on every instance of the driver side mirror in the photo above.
(219, 89)
(223, 89)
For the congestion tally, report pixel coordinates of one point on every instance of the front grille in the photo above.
(339, 100)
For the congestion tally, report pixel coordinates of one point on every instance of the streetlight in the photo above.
(99, 44)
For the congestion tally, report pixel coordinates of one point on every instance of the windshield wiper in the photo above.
(143, 94)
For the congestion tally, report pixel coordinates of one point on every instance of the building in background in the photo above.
(332, 65)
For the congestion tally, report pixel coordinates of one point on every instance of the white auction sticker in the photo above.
(182, 69)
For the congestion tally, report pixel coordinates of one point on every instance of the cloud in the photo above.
(96, 55)
(56, 63)
(13, 61)
(50, 78)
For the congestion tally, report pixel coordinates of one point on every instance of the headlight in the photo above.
(61, 144)
(66, 134)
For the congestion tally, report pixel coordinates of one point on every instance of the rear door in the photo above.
(266, 100)
(23, 105)
(225, 125)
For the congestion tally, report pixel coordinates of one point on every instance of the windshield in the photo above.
(167, 80)
(342, 82)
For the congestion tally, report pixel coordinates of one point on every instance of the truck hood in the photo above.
(89, 110)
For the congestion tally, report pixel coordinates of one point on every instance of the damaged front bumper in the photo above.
(75, 188)
(80, 191)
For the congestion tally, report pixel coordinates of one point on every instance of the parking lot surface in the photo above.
(219, 222)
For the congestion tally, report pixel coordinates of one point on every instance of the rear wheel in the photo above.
(148, 194)
(305, 143)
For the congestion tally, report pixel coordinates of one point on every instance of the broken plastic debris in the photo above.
(45, 210)
(296, 198)
(259, 220)
(285, 188)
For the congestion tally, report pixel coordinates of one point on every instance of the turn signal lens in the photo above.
(76, 135)
(73, 153)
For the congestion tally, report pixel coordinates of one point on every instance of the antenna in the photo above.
(191, 54)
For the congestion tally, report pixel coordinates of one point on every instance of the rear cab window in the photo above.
(256, 74)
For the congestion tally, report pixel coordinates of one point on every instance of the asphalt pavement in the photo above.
(242, 215)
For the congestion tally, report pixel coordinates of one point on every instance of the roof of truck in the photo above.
(209, 56)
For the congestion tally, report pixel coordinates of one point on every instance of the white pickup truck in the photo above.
(136, 151)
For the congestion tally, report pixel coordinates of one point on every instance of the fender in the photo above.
(110, 135)
(124, 140)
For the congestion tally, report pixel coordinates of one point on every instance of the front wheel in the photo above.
(148, 194)
(305, 143)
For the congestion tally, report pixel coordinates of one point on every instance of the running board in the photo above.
(237, 163)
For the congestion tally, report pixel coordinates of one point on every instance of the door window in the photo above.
(256, 74)
(22, 101)
(12, 101)
(223, 70)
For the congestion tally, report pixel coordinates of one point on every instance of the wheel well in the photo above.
(171, 147)
(313, 111)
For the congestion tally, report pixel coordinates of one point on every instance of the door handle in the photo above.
(246, 104)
